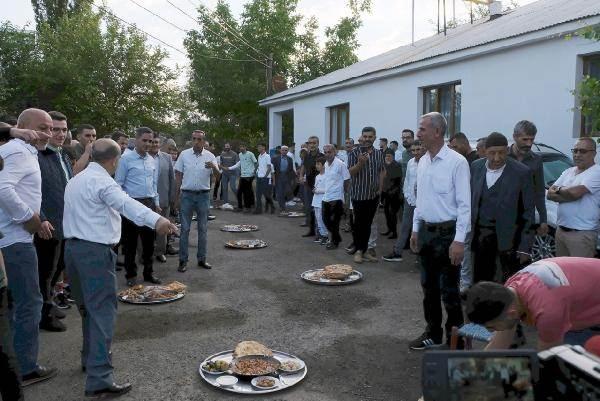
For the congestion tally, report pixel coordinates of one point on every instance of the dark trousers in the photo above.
(217, 185)
(486, 253)
(308, 210)
(245, 194)
(332, 214)
(439, 279)
(364, 212)
(391, 206)
(263, 188)
(129, 237)
(282, 190)
(50, 264)
(10, 386)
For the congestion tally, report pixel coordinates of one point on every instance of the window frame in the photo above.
(341, 136)
(587, 62)
(425, 91)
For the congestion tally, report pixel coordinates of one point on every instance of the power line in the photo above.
(209, 29)
(159, 17)
(106, 10)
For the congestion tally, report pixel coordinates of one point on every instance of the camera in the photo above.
(565, 373)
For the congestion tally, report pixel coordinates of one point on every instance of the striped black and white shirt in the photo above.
(365, 184)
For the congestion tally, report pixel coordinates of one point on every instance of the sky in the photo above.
(387, 26)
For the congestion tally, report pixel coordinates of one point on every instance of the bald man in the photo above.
(94, 199)
(20, 202)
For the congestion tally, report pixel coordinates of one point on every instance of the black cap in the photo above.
(486, 301)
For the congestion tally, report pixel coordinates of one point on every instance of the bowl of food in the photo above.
(215, 367)
(227, 381)
(291, 366)
(254, 365)
(264, 382)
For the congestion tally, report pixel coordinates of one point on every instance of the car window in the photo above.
(554, 165)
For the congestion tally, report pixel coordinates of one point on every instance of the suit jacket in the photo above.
(165, 185)
(53, 188)
(516, 211)
(287, 175)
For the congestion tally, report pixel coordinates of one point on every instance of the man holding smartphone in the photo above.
(193, 170)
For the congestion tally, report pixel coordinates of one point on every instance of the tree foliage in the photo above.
(89, 66)
(588, 89)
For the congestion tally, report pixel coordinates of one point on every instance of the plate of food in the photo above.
(247, 360)
(216, 367)
(152, 294)
(239, 228)
(291, 366)
(292, 214)
(337, 274)
(265, 382)
(246, 244)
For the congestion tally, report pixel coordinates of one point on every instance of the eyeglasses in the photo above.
(582, 151)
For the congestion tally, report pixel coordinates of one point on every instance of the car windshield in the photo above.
(554, 165)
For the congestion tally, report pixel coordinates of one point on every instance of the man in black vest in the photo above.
(502, 211)
(55, 166)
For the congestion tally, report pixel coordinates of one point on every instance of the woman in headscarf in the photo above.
(392, 194)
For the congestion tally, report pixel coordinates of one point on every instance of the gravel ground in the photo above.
(353, 339)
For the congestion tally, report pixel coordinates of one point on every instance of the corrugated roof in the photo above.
(529, 18)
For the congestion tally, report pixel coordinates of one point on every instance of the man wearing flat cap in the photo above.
(502, 211)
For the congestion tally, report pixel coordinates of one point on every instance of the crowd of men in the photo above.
(68, 207)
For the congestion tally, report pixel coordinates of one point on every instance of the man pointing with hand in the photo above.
(442, 219)
(94, 199)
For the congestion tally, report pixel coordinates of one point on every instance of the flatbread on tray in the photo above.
(251, 348)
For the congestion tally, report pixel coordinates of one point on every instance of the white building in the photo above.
(483, 77)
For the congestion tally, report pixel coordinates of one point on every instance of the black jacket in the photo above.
(517, 209)
(53, 188)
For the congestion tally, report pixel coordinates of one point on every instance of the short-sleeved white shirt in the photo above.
(584, 213)
(335, 175)
(196, 177)
(264, 161)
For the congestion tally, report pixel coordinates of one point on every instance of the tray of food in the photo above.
(252, 368)
(292, 214)
(239, 228)
(332, 275)
(152, 294)
(246, 244)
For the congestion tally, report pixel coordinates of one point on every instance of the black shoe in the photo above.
(393, 257)
(118, 268)
(50, 323)
(309, 234)
(211, 217)
(172, 251)
(131, 282)
(350, 249)
(393, 236)
(203, 264)
(161, 258)
(424, 341)
(57, 312)
(62, 301)
(304, 225)
(317, 239)
(182, 266)
(331, 246)
(114, 390)
(386, 233)
(38, 375)
(151, 278)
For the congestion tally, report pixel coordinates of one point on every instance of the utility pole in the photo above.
(269, 74)
(438, 26)
(413, 22)
(444, 2)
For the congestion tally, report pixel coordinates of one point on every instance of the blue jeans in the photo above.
(579, 337)
(263, 188)
(23, 282)
(193, 202)
(228, 180)
(91, 270)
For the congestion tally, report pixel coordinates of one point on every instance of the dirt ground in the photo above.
(353, 338)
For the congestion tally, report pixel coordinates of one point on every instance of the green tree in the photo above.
(588, 89)
(307, 63)
(52, 11)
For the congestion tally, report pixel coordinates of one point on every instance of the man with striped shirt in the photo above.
(366, 165)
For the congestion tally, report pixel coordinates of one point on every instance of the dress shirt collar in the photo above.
(498, 170)
(27, 146)
(140, 156)
(54, 149)
(153, 156)
(442, 154)
(196, 153)
(97, 168)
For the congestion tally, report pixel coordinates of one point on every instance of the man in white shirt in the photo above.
(193, 171)
(577, 192)
(94, 199)
(442, 220)
(337, 181)
(410, 201)
(263, 181)
(20, 204)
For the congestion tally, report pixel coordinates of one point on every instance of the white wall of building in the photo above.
(531, 82)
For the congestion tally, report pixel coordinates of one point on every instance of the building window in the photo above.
(339, 124)
(591, 67)
(445, 99)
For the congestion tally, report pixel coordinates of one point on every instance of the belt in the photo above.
(144, 199)
(567, 229)
(200, 191)
(91, 242)
(444, 225)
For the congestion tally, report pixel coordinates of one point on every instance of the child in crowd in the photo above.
(319, 190)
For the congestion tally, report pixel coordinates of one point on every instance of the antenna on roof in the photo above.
(413, 22)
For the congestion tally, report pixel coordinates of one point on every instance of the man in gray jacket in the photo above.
(166, 195)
